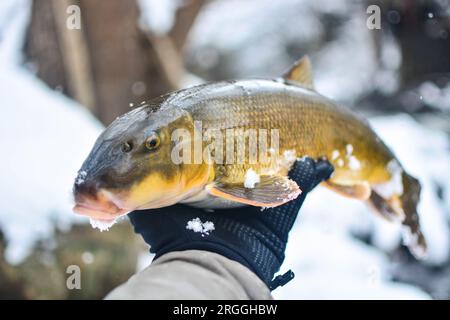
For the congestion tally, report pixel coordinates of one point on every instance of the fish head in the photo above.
(130, 166)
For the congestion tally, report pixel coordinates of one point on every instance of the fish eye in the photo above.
(152, 142)
(127, 146)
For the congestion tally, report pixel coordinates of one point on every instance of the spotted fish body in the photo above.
(308, 124)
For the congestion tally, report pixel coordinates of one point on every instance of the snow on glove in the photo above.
(253, 237)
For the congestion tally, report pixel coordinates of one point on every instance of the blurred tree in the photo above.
(110, 62)
(421, 30)
(105, 259)
(11, 286)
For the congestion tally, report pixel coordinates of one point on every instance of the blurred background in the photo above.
(59, 87)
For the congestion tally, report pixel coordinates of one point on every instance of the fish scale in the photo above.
(309, 124)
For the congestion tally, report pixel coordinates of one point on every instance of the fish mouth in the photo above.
(98, 213)
(99, 207)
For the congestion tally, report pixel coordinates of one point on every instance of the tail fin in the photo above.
(403, 208)
(413, 238)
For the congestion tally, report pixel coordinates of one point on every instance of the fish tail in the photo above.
(403, 208)
(409, 200)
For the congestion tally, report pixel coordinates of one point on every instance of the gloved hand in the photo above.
(256, 238)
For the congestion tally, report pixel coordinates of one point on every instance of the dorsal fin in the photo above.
(300, 73)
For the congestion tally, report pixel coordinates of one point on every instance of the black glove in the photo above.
(256, 238)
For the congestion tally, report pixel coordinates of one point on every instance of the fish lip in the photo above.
(98, 212)
(103, 205)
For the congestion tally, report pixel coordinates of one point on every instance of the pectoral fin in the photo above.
(271, 191)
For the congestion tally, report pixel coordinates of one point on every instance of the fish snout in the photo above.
(83, 188)
(92, 201)
(87, 185)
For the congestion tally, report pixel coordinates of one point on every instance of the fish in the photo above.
(197, 146)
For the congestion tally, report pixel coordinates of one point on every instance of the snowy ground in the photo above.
(45, 137)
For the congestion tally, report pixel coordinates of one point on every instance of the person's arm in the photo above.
(193, 274)
(225, 254)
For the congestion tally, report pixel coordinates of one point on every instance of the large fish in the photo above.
(168, 151)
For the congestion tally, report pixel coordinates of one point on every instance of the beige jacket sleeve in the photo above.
(193, 274)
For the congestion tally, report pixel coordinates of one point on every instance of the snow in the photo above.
(411, 239)
(350, 270)
(144, 259)
(45, 138)
(289, 157)
(158, 15)
(349, 149)
(354, 163)
(395, 185)
(80, 177)
(208, 226)
(196, 225)
(286, 160)
(102, 225)
(435, 97)
(335, 154)
(251, 179)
